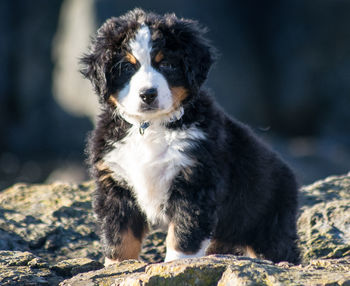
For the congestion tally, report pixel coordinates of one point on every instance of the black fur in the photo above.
(240, 193)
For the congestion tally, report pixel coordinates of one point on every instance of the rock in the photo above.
(324, 222)
(53, 221)
(71, 267)
(48, 237)
(330, 189)
(217, 270)
(24, 268)
(107, 275)
(56, 222)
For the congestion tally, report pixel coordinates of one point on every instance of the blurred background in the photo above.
(284, 69)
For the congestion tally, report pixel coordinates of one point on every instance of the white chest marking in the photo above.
(150, 162)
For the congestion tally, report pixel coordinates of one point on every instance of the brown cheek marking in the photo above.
(130, 58)
(112, 100)
(179, 94)
(159, 57)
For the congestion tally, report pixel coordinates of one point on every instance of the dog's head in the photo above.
(147, 65)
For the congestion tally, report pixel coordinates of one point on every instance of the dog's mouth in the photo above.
(143, 113)
(151, 114)
(147, 108)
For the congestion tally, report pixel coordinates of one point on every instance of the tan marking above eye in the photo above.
(159, 56)
(130, 58)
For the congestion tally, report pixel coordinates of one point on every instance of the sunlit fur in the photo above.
(174, 158)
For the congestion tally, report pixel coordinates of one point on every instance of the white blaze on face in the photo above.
(146, 77)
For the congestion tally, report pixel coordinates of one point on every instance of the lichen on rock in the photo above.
(48, 237)
(24, 268)
(53, 221)
(324, 222)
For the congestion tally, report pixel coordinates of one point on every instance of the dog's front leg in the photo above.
(122, 225)
(192, 221)
(174, 250)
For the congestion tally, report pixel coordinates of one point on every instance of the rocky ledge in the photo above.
(48, 237)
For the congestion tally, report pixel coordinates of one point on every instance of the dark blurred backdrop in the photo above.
(284, 69)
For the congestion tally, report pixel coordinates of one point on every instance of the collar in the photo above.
(143, 126)
(174, 117)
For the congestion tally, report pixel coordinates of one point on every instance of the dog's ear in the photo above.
(93, 63)
(104, 45)
(198, 54)
(93, 68)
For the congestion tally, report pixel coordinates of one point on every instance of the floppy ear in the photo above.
(93, 68)
(102, 49)
(198, 54)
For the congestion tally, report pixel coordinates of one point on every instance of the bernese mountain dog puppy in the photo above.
(165, 153)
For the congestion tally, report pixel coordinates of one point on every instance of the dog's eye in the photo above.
(166, 66)
(128, 67)
(123, 67)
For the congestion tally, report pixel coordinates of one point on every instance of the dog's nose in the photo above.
(148, 95)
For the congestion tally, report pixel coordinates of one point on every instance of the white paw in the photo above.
(172, 254)
(109, 261)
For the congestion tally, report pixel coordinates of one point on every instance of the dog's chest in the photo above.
(150, 162)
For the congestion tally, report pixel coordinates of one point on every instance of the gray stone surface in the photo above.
(24, 268)
(324, 222)
(54, 221)
(218, 270)
(47, 237)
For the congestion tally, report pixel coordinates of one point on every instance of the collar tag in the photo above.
(143, 127)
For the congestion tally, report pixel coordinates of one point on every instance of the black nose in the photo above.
(148, 95)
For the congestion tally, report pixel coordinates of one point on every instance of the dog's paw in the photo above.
(109, 261)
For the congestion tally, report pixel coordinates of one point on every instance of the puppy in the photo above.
(164, 153)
